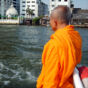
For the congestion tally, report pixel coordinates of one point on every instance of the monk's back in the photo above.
(77, 43)
(68, 44)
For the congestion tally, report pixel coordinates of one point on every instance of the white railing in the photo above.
(9, 21)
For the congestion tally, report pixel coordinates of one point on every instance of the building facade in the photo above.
(43, 9)
(37, 6)
(16, 4)
(55, 3)
(80, 17)
(5, 4)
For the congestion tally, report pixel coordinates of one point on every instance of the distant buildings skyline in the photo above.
(37, 6)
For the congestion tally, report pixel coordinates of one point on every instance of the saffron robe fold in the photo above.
(60, 56)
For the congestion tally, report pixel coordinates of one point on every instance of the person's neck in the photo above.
(61, 26)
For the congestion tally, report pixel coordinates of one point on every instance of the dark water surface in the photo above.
(20, 54)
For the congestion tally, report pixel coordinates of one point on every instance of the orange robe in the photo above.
(60, 56)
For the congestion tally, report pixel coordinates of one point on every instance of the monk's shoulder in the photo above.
(49, 44)
(48, 49)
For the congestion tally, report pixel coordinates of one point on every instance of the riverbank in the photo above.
(77, 26)
(35, 22)
(38, 21)
(10, 21)
(81, 26)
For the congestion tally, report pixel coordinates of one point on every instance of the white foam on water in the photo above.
(0, 76)
(1, 66)
(16, 74)
(39, 63)
(31, 77)
(6, 82)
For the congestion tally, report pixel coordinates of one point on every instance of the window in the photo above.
(59, 0)
(23, 6)
(33, 1)
(53, 5)
(14, 3)
(28, 6)
(28, 1)
(65, 0)
(33, 5)
(23, 10)
(33, 10)
(14, 0)
(23, 2)
(23, 14)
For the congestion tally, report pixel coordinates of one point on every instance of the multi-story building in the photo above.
(43, 9)
(5, 4)
(37, 6)
(16, 4)
(55, 3)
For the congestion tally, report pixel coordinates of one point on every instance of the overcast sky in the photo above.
(78, 3)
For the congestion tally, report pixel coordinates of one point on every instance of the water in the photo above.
(20, 54)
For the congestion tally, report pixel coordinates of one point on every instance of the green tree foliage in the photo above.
(29, 11)
(36, 20)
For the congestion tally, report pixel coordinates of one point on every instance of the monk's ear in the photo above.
(55, 21)
(54, 26)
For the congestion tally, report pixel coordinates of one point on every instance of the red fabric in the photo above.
(83, 71)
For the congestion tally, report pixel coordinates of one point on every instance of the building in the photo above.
(16, 4)
(80, 16)
(43, 9)
(11, 12)
(5, 4)
(55, 3)
(37, 6)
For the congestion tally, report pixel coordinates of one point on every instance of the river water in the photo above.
(20, 54)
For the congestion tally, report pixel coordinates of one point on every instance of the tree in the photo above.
(36, 20)
(30, 12)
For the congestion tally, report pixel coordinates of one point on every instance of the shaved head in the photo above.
(62, 14)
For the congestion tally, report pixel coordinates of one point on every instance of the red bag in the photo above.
(83, 71)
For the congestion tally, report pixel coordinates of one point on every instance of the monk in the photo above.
(61, 53)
